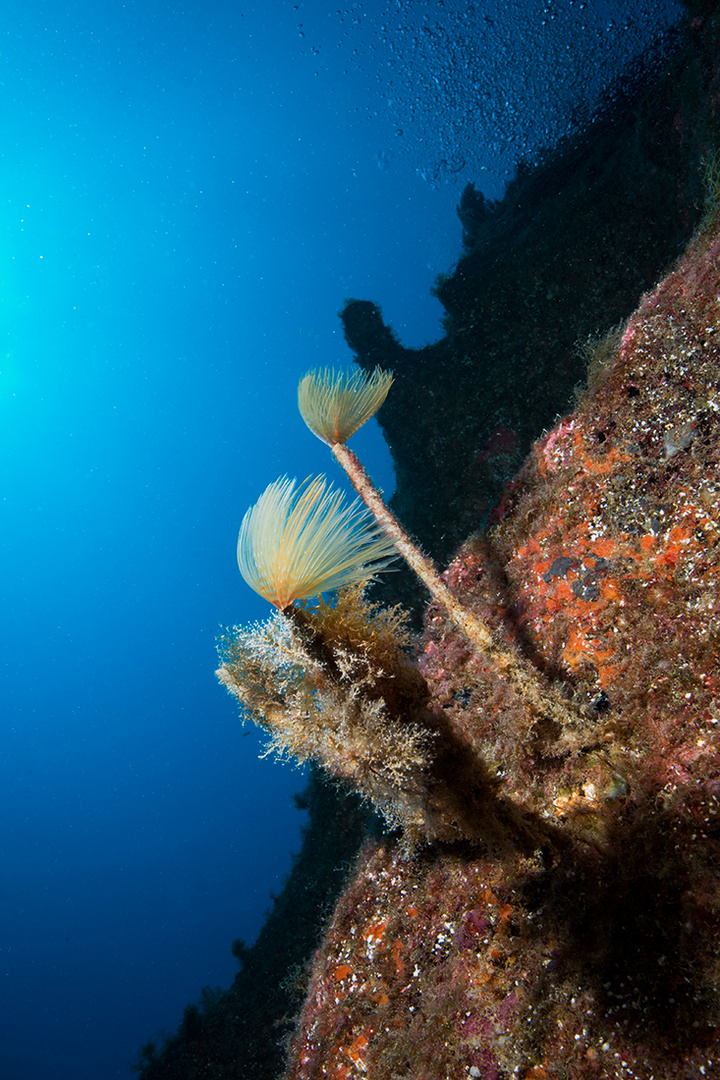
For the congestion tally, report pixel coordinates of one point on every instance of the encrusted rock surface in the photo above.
(598, 958)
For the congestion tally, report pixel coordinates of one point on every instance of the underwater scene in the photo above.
(359, 487)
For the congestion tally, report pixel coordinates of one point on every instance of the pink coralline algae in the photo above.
(597, 955)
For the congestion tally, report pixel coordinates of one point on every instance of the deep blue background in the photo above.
(187, 195)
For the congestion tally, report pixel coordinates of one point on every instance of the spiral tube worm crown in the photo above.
(299, 542)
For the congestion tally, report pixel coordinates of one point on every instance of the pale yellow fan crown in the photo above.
(297, 542)
(334, 404)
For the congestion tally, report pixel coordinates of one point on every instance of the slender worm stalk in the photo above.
(515, 667)
(334, 404)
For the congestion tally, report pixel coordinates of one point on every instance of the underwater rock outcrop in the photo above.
(601, 959)
(601, 563)
(561, 259)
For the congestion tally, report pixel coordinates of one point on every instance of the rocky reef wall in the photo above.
(594, 551)
(595, 955)
(560, 261)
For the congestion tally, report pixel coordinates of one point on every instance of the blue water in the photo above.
(189, 193)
